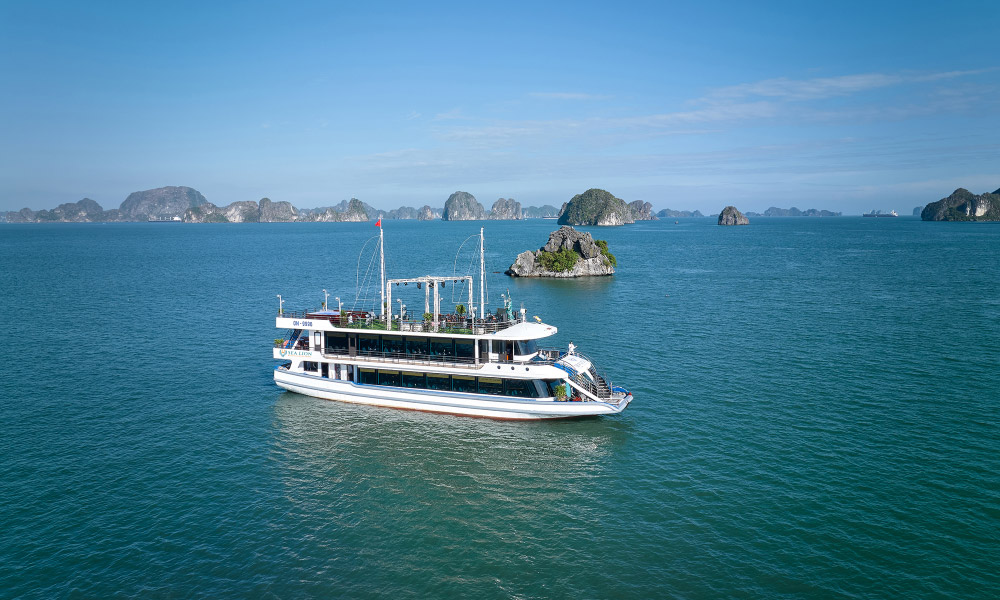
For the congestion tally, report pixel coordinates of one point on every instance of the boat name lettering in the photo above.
(302, 323)
(285, 352)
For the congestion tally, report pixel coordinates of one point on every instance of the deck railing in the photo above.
(452, 324)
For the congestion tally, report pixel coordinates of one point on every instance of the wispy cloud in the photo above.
(782, 100)
(455, 114)
(567, 96)
(826, 87)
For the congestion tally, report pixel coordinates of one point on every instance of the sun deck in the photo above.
(446, 324)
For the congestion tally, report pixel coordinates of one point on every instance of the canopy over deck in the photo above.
(525, 331)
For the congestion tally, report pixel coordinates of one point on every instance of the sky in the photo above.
(847, 106)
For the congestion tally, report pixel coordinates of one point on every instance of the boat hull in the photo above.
(475, 405)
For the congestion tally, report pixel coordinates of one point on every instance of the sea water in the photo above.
(815, 415)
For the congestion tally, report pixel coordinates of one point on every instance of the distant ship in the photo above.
(878, 213)
(174, 219)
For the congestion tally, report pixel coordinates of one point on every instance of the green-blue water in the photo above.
(816, 415)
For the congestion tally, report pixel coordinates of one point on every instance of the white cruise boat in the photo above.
(458, 364)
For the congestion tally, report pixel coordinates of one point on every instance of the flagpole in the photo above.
(482, 278)
(381, 253)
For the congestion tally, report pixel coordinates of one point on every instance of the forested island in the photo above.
(567, 253)
(963, 205)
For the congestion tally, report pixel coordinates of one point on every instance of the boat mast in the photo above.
(482, 278)
(381, 255)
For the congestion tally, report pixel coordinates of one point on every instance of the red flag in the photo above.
(379, 222)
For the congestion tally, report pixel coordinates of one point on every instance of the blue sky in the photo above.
(845, 106)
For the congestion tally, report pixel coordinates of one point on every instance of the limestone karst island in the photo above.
(568, 253)
(963, 205)
(731, 216)
(593, 208)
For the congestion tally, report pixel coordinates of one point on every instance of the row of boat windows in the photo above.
(519, 388)
(368, 343)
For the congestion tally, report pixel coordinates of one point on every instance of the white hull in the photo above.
(477, 405)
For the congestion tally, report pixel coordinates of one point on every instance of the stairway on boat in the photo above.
(601, 389)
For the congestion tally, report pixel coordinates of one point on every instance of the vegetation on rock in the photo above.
(560, 261)
(596, 207)
(603, 245)
(963, 205)
(462, 206)
(568, 253)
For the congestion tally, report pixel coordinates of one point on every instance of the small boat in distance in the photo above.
(475, 364)
(878, 213)
(173, 219)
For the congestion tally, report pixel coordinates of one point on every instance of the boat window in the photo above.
(310, 366)
(527, 347)
(388, 378)
(368, 343)
(414, 380)
(491, 385)
(464, 383)
(442, 348)
(368, 377)
(438, 382)
(336, 343)
(465, 349)
(416, 345)
(521, 388)
(392, 344)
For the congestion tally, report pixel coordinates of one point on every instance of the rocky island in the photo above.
(774, 211)
(568, 253)
(596, 207)
(642, 211)
(540, 212)
(506, 210)
(462, 206)
(963, 205)
(731, 216)
(667, 213)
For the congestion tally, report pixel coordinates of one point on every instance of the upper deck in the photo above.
(451, 326)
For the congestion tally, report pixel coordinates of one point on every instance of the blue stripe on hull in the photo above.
(441, 401)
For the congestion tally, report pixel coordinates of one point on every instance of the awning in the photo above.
(525, 331)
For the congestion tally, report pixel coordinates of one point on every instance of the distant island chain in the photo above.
(594, 207)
